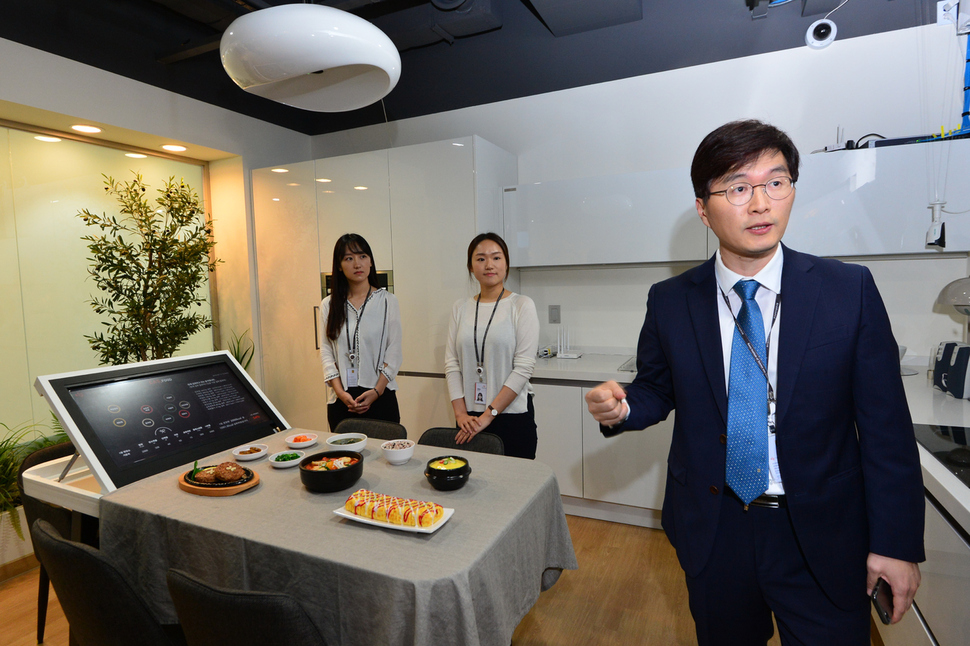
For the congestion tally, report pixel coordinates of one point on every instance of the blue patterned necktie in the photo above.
(747, 423)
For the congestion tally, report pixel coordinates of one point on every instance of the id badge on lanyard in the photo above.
(352, 377)
(481, 392)
(772, 449)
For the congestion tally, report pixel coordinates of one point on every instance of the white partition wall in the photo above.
(45, 288)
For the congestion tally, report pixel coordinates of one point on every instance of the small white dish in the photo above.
(339, 442)
(293, 444)
(245, 457)
(286, 464)
(398, 452)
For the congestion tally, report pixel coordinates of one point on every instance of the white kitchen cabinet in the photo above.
(631, 218)
(418, 207)
(288, 264)
(559, 422)
(424, 404)
(627, 469)
(442, 194)
(352, 196)
(944, 589)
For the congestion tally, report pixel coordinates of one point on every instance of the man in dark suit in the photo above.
(793, 479)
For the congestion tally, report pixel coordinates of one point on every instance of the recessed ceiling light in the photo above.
(457, 144)
(173, 148)
(49, 140)
(360, 188)
(88, 129)
(280, 170)
(323, 180)
(276, 199)
(292, 184)
(328, 191)
(136, 155)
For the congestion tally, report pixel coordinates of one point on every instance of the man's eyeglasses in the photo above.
(777, 188)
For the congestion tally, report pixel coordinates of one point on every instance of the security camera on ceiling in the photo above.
(820, 34)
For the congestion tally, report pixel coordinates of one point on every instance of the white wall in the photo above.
(898, 83)
(40, 80)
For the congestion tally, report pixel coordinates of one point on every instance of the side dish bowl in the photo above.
(276, 462)
(295, 441)
(449, 472)
(347, 442)
(247, 452)
(398, 451)
(330, 481)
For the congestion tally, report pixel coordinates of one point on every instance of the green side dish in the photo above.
(286, 457)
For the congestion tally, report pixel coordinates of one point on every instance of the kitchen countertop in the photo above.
(591, 367)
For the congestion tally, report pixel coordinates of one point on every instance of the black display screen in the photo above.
(140, 421)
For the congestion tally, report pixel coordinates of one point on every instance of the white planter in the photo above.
(11, 547)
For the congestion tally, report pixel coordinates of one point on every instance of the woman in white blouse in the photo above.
(361, 345)
(493, 338)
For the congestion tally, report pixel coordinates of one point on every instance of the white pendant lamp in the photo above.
(310, 56)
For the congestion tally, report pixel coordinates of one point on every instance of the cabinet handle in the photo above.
(316, 329)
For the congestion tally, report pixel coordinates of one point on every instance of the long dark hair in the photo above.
(339, 286)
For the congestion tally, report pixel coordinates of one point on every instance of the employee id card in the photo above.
(772, 449)
(481, 393)
(352, 378)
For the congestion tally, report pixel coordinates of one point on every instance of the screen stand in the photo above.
(70, 463)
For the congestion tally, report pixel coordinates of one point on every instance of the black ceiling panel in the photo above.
(520, 58)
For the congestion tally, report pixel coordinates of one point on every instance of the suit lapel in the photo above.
(800, 289)
(702, 305)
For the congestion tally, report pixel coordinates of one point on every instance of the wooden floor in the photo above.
(629, 589)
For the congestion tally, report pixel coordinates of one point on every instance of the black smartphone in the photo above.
(882, 601)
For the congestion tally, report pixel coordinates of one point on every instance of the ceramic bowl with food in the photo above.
(448, 472)
(398, 451)
(286, 459)
(331, 470)
(347, 442)
(301, 440)
(249, 452)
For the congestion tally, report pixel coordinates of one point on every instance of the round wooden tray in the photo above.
(228, 490)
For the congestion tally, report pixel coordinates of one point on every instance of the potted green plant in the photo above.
(150, 264)
(16, 444)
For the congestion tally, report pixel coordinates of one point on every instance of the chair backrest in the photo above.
(376, 428)
(100, 606)
(59, 517)
(209, 614)
(483, 442)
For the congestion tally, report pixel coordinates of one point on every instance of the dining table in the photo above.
(470, 581)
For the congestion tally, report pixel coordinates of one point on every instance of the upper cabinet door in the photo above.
(876, 200)
(352, 197)
(433, 220)
(632, 218)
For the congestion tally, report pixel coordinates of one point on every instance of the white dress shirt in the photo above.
(379, 338)
(769, 279)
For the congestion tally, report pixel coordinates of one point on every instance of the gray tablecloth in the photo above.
(471, 582)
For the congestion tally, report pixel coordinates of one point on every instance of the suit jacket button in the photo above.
(714, 489)
(723, 438)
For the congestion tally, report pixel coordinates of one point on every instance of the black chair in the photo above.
(376, 428)
(212, 615)
(445, 438)
(101, 607)
(58, 517)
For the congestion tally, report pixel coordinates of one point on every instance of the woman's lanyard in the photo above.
(480, 357)
(754, 353)
(353, 351)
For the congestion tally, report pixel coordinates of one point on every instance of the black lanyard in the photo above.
(352, 351)
(480, 358)
(747, 341)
